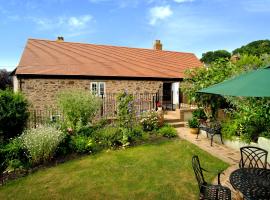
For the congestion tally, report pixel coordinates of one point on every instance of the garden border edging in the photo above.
(236, 144)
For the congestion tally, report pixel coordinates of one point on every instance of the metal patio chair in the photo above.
(209, 191)
(253, 157)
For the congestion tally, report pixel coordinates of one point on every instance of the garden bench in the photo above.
(211, 130)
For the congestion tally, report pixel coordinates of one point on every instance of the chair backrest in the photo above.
(198, 172)
(253, 157)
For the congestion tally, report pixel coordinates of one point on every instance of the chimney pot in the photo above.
(158, 45)
(60, 38)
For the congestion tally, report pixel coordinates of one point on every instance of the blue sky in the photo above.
(182, 25)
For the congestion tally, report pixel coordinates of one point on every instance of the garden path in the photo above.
(220, 151)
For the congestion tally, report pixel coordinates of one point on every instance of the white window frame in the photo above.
(104, 90)
(97, 93)
(91, 88)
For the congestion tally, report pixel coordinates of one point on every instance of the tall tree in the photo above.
(5, 80)
(258, 48)
(212, 56)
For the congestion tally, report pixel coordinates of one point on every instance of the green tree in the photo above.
(257, 48)
(203, 77)
(212, 56)
(13, 114)
(5, 80)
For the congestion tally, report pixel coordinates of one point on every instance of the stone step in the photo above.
(172, 113)
(178, 124)
(172, 120)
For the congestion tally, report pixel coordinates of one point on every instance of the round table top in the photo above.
(253, 183)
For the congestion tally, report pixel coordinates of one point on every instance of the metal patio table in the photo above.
(253, 183)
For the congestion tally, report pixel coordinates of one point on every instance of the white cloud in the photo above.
(79, 22)
(182, 1)
(71, 26)
(159, 13)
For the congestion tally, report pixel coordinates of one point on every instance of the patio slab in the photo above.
(220, 151)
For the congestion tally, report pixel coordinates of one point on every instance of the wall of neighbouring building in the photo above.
(42, 92)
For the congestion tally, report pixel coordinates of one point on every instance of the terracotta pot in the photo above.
(160, 117)
(194, 130)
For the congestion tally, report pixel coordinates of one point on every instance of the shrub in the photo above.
(125, 110)
(136, 133)
(79, 107)
(193, 123)
(199, 114)
(13, 114)
(108, 137)
(168, 131)
(82, 144)
(86, 130)
(41, 143)
(14, 151)
(149, 120)
(5, 79)
(14, 164)
(64, 147)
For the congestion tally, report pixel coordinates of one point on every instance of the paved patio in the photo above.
(223, 152)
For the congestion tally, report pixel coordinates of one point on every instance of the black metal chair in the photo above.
(208, 191)
(214, 129)
(253, 157)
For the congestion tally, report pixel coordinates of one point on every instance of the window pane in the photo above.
(101, 88)
(94, 88)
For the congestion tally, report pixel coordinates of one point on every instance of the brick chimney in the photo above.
(60, 39)
(158, 45)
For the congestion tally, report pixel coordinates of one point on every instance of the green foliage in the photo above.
(203, 77)
(15, 164)
(199, 114)
(212, 56)
(3, 162)
(5, 80)
(136, 133)
(217, 72)
(82, 144)
(79, 107)
(14, 151)
(109, 137)
(41, 143)
(149, 120)
(252, 116)
(13, 114)
(265, 134)
(64, 148)
(229, 129)
(257, 48)
(248, 62)
(168, 131)
(125, 110)
(193, 123)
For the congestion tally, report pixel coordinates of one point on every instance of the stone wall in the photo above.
(42, 92)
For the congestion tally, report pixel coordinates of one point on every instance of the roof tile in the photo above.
(44, 57)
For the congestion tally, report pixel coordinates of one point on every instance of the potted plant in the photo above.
(200, 115)
(193, 125)
(159, 106)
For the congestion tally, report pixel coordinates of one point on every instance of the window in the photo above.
(101, 89)
(94, 88)
(98, 88)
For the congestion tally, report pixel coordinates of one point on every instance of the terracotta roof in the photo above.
(44, 57)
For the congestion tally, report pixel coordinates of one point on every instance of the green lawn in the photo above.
(158, 170)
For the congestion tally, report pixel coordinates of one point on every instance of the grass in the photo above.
(158, 170)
